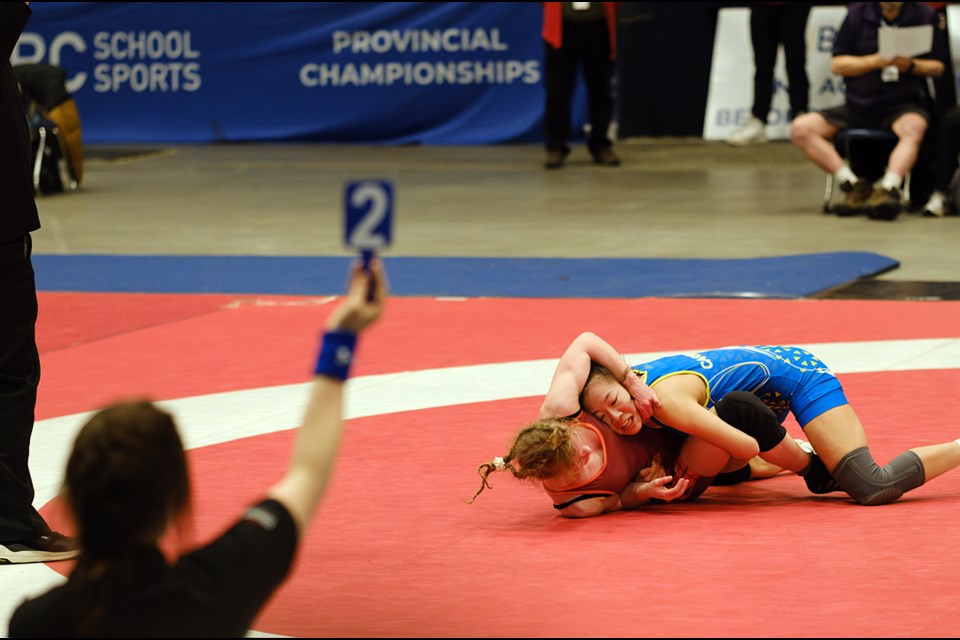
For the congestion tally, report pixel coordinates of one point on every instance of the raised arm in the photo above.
(570, 376)
(318, 439)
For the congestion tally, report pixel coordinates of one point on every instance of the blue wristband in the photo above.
(336, 354)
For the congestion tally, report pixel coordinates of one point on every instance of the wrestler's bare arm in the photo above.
(682, 398)
(573, 369)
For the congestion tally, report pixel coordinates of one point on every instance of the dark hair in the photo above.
(126, 478)
(597, 373)
(126, 481)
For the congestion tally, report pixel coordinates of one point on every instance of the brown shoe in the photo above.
(858, 197)
(607, 158)
(885, 204)
(555, 158)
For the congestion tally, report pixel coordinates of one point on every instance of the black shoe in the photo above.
(818, 478)
(47, 548)
(555, 158)
(607, 158)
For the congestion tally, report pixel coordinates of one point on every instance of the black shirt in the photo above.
(215, 591)
(591, 15)
(859, 36)
(18, 209)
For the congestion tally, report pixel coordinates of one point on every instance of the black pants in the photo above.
(771, 25)
(945, 85)
(586, 45)
(19, 377)
(947, 144)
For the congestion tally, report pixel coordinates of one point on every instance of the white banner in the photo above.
(953, 35)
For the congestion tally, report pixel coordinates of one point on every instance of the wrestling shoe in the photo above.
(816, 475)
(50, 547)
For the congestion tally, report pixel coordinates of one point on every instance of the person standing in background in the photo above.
(24, 535)
(943, 200)
(579, 34)
(946, 84)
(946, 144)
(773, 24)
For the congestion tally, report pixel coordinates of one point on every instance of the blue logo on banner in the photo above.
(369, 214)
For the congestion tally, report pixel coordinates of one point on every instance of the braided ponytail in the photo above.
(542, 450)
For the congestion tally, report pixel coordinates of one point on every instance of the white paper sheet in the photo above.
(905, 41)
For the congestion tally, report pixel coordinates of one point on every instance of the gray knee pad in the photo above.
(869, 484)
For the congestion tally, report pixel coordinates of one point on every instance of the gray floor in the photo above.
(671, 198)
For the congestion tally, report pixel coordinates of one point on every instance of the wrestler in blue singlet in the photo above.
(792, 380)
(785, 378)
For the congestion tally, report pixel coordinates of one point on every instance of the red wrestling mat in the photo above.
(395, 551)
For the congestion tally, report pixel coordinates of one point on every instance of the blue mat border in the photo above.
(795, 276)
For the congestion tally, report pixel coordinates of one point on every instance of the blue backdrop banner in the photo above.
(346, 72)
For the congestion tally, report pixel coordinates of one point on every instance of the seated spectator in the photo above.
(943, 201)
(44, 87)
(881, 93)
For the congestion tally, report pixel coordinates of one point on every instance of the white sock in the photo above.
(957, 441)
(891, 180)
(844, 175)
